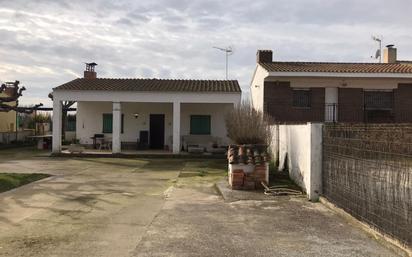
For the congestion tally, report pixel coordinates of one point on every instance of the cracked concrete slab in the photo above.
(89, 207)
(163, 207)
(197, 222)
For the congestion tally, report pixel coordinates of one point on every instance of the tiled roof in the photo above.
(162, 85)
(334, 67)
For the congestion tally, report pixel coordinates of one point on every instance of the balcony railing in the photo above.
(334, 113)
(331, 113)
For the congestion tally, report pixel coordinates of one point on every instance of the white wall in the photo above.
(274, 145)
(217, 119)
(70, 135)
(331, 95)
(302, 144)
(145, 97)
(257, 87)
(89, 119)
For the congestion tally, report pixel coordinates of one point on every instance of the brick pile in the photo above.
(240, 180)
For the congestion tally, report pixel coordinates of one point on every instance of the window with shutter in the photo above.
(108, 123)
(301, 98)
(378, 100)
(200, 125)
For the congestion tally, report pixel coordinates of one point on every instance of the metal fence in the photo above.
(367, 171)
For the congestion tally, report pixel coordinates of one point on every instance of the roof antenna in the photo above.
(378, 53)
(228, 51)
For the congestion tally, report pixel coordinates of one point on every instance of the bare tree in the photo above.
(246, 125)
(65, 107)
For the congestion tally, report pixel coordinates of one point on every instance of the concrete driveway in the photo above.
(123, 207)
(90, 207)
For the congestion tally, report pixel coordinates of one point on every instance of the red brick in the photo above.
(233, 187)
(249, 185)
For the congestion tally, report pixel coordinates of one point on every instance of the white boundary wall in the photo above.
(302, 144)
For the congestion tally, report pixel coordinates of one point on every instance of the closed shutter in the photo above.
(200, 124)
(378, 100)
(107, 122)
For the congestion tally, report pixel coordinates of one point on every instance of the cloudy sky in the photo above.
(44, 43)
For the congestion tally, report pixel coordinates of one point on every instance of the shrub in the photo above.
(245, 125)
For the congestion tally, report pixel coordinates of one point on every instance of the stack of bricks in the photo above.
(260, 173)
(239, 180)
(236, 179)
(248, 167)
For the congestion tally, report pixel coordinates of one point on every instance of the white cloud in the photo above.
(44, 43)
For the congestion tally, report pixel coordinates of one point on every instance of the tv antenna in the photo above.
(378, 53)
(228, 51)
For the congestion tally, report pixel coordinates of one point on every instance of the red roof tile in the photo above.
(163, 85)
(401, 67)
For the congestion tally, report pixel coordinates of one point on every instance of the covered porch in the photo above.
(142, 122)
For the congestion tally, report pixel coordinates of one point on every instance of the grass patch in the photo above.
(12, 180)
(200, 173)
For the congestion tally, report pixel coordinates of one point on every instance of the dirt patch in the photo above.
(33, 245)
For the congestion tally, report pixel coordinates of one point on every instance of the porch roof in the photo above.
(157, 85)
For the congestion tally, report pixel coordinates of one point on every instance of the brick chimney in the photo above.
(264, 56)
(89, 73)
(389, 54)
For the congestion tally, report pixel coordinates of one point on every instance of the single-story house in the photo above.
(333, 91)
(147, 113)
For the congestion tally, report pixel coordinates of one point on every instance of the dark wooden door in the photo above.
(157, 131)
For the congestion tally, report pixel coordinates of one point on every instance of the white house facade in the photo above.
(159, 112)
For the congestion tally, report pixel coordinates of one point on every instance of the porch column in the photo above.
(117, 120)
(57, 126)
(176, 127)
